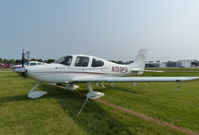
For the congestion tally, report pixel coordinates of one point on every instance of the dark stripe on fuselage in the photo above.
(70, 72)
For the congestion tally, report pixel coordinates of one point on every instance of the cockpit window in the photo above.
(97, 63)
(27, 63)
(81, 61)
(65, 60)
(32, 64)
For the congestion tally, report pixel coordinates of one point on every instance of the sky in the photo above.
(110, 29)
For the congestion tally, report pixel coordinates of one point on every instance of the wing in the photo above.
(138, 70)
(135, 79)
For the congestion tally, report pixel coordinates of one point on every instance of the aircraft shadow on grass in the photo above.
(17, 98)
(122, 89)
(93, 119)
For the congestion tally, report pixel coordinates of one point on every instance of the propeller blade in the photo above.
(23, 73)
(23, 58)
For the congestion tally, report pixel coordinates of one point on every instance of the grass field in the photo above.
(53, 114)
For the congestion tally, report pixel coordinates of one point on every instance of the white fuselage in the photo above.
(66, 73)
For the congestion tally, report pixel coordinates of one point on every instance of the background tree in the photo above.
(4, 60)
(17, 61)
(49, 61)
(1, 60)
(40, 60)
(33, 59)
(11, 61)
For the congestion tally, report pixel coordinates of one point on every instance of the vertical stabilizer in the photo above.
(140, 60)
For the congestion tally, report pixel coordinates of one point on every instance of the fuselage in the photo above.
(72, 67)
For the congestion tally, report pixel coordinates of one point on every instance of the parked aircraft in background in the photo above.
(5, 65)
(20, 68)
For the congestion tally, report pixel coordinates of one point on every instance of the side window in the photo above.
(27, 63)
(97, 63)
(32, 64)
(65, 60)
(81, 61)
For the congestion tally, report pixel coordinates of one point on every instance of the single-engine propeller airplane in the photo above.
(73, 69)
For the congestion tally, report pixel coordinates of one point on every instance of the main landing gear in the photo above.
(93, 94)
(36, 94)
(90, 95)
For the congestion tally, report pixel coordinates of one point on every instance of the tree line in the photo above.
(19, 61)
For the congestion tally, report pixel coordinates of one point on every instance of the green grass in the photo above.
(5, 69)
(53, 113)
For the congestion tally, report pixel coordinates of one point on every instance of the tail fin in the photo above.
(140, 60)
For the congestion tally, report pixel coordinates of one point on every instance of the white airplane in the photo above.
(72, 69)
